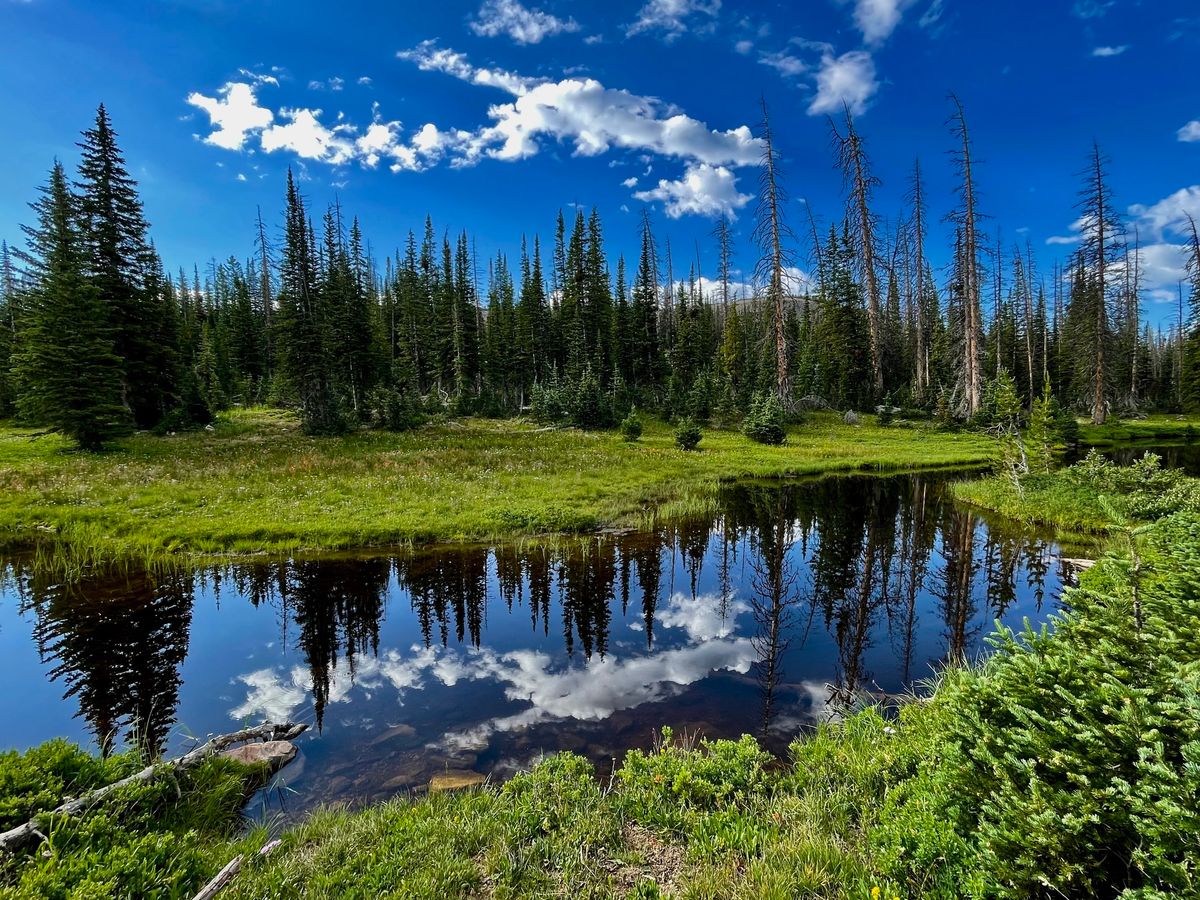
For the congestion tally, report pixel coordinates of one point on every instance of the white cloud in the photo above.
(670, 17)
(1190, 133)
(429, 57)
(258, 77)
(933, 14)
(1109, 51)
(703, 190)
(580, 111)
(234, 113)
(1169, 214)
(365, 80)
(305, 136)
(848, 80)
(519, 22)
(630, 182)
(744, 47)
(784, 63)
(877, 19)
(333, 84)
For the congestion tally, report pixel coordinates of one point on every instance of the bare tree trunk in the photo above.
(859, 180)
(918, 201)
(1099, 373)
(972, 375)
(770, 231)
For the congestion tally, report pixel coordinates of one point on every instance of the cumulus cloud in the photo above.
(848, 80)
(877, 19)
(579, 111)
(1109, 51)
(744, 46)
(670, 17)
(703, 190)
(1190, 133)
(1169, 215)
(519, 22)
(234, 114)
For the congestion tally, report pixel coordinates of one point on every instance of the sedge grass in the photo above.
(256, 484)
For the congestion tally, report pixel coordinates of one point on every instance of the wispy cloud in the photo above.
(670, 18)
(1092, 9)
(1110, 51)
(522, 24)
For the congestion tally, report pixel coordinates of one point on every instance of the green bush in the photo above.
(687, 435)
(765, 420)
(631, 427)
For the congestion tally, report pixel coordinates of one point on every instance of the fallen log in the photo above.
(18, 837)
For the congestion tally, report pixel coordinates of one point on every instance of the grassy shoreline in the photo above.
(255, 484)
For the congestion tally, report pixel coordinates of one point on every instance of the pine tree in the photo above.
(121, 264)
(65, 363)
(303, 320)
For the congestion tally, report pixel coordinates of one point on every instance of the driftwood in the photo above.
(227, 874)
(18, 837)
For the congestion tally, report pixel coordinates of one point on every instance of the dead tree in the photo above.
(971, 376)
(770, 233)
(859, 182)
(917, 198)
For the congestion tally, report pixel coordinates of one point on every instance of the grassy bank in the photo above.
(256, 483)
(1066, 765)
(1092, 496)
(1160, 428)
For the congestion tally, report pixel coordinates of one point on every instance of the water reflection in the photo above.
(791, 599)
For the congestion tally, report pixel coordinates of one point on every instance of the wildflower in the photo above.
(875, 892)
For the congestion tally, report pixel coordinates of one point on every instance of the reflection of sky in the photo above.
(243, 664)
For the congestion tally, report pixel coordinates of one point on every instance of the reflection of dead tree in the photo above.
(956, 591)
(772, 605)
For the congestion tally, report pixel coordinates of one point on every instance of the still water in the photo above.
(759, 619)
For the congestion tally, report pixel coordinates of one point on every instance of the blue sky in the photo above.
(493, 114)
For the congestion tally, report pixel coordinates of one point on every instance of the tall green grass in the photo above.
(256, 484)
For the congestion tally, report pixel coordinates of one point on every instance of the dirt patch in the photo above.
(658, 860)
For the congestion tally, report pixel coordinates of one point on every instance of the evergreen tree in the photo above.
(66, 364)
(121, 264)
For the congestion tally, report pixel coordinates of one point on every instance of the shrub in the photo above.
(764, 420)
(390, 410)
(687, 435)
(631, 427)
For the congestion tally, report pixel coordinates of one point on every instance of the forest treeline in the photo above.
(100, 339)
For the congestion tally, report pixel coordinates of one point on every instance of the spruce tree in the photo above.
(65, 363)
(121, 264)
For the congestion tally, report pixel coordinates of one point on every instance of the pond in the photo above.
(761, 618)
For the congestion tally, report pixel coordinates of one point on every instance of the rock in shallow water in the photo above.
(274, 754)
(455, 780)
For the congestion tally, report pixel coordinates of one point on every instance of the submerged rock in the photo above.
(455, 780)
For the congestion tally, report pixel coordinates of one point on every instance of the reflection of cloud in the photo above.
(591, 691)
(599, 688)
(812, 707)
(700, 616)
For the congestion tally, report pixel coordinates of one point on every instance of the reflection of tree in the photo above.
(338, 606)
(585, 586)
(773, 597)
(955, 592)
(117, 641)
